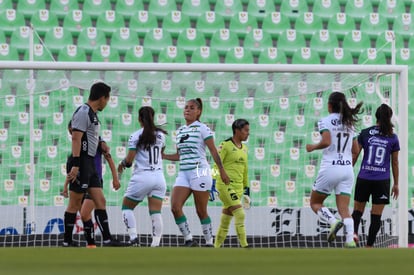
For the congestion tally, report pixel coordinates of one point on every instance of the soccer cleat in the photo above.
(356, 239)
(113, 243)
(91, 246)
(350, 244)
(208, 245)
(191, 243)
(334, 229)
(134, 243)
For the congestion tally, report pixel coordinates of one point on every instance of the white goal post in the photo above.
(400, 108)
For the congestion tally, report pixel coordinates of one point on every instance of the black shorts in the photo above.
(379, 190)
(87, 176)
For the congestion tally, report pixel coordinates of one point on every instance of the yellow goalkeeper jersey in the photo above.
(234, 160)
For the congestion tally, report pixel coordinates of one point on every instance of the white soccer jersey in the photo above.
(339, 153)
(191, 145)
(147, 160)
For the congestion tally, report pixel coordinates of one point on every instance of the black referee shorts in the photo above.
(87, 177)
(379, 190)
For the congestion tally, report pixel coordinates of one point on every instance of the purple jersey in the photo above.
(377, 153)
(98, 162)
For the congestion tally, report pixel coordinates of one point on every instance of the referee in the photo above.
(82, 175)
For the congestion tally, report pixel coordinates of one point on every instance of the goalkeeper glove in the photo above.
(213, 192)
(246, 201)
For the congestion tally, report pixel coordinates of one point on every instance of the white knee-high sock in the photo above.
(349, 229)
(130, 223)
(326, 215)
(157, 226)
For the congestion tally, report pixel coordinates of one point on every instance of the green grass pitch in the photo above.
(210, 261)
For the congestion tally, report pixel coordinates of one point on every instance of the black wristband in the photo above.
(76, 161)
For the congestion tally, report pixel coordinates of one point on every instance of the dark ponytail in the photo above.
(349, 116)
(148, 136)
(383, 116)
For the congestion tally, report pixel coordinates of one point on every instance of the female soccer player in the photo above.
(336, 172)
(381, 146)
(233, 153)
(194, 176)
(145, 147)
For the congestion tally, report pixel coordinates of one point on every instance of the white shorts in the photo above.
(335, 178)
(195, 180)
(146, 184)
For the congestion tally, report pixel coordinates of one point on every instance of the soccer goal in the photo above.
(282, 103)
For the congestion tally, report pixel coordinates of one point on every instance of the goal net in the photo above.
(282, 103)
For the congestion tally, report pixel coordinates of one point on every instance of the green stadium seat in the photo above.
(293, 9)
(194, 9)
(2, 37)
(325, 9)
(259, 9)
(128, 8)
(384, 42)
(90, 38)
(209, 22)
(205, 54)
(356, 42)
(161, 8)
(238, 55)
(9, 19)
(72, 53)
(143, 22)
(116, 79)
(228, 9)
(272, 56)
(373, 25)
(75, 21)
(404, 56)
(138, 54)
(123, 40)
(96, 8)
(306, 56)
(172, 54)
(275, 23)
(308, 24)
(257, 41)
(105, 53)
(44, 21)
(323, 41)
(290, 41)
(8, 53)
(40, 53)
(341, 24)
(20, 39)
(190, 40)
(156, 40)
(242, 24)
(391, 10)
(57, 39)
(372, 56)
(6, 4)
(358, 9)
(110, 22)
(48, 78)
(175, 22)
(403, 25)
(61, 8)
(30, 7)
(223, 40)
(339, 56)
(83, 80)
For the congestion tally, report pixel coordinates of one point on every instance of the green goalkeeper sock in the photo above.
(239, 217)
(222, 230)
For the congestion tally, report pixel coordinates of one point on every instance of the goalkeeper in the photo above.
(233, 154)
